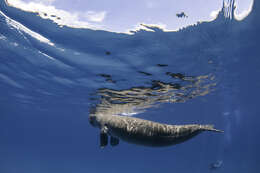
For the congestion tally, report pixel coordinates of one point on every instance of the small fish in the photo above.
(216, 165)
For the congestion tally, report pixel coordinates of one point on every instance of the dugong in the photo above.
(143, 132)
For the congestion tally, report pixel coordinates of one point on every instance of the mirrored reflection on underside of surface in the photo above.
(137, 99)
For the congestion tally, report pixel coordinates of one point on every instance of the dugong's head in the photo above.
(93, 118)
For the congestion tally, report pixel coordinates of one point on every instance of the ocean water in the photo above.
(52, 76)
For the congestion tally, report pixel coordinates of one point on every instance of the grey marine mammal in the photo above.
(143, 132)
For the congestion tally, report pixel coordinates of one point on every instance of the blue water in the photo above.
(51, 76)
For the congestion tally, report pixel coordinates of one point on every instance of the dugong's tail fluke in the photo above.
(210, 128)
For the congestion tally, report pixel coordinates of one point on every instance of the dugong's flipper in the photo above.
(103, 137)
(114, 141)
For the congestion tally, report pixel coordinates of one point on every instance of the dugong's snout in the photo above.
(93, 121)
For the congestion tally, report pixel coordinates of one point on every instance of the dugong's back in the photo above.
(149, 133)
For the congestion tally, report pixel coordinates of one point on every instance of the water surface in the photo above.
(50, 77)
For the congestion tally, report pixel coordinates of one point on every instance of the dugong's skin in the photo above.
(144, 132)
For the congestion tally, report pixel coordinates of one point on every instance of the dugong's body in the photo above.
(144, 132)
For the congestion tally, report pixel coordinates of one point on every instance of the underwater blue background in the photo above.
(49, 76)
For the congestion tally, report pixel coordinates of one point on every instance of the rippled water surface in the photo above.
(51, 77)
